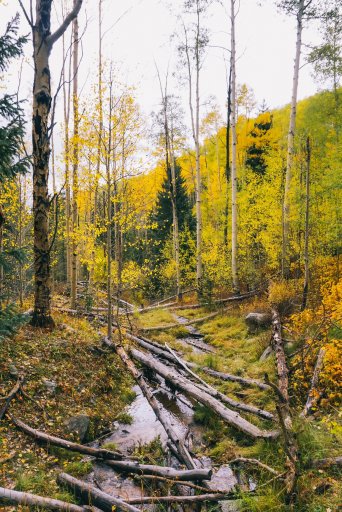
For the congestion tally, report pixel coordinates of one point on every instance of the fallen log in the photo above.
(10, 497)
(12, 394)
(199, 498)
(244, 381)
(164, 471)
(312, 397)
(180, 382)
(284, 413)
(221, 396)
(42, 437)
(171, 482)
(183, 453)
(159, 350)
(161, 306)
(218, 301)
(177, 324)
(91, 495)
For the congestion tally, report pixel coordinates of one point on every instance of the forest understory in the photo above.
(77, 375)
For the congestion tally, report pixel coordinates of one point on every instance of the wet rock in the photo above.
(50, 385)
(255, 321)
(78, 425)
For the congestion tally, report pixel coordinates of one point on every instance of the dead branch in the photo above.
(10, 497)
(91, 495)
(326, 463)
(177, 324)
(254, 462)
(312, 398)
(200, 498)
(46, 439)
(12, 394)
(164, 471)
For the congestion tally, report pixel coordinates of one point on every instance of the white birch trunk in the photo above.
(290, 145)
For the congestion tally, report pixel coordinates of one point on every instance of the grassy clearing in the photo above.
(85, 383)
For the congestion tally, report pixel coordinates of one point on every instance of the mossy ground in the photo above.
(87, 382)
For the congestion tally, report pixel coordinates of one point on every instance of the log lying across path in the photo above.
(159, 350)
(180, 382)
(177, 324)
(42, 437)
(172, 357)
(91, 495)
(163, 471)
(234, 298)
(177, 443)
(200, 498)
(10, 497)
(221, 396)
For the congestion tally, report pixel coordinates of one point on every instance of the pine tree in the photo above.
(11, 161)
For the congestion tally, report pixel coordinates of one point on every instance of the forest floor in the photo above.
(66, 376)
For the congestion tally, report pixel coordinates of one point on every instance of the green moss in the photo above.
(125, 418)
(78, 468)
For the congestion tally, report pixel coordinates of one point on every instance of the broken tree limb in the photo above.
(91, 495)
(200, 498)
(244, 381)
(221, 396)
(164, 471)
(278, 347)
(47, 439)
(10, 497)
(180, 382)
(183, 453)
(171, 482)
(254, 462)
(177, 324)
(11, 395)
(312, 396)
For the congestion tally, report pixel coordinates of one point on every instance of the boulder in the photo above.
(78, 425)
(255, 321)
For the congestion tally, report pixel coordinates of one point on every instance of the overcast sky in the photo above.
(265, 49)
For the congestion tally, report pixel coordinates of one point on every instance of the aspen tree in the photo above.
(43, 42)
(234, 155)
(75, 165)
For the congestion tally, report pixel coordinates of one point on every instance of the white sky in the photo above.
(265, 46)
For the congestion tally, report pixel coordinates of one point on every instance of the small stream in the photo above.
(145, 427)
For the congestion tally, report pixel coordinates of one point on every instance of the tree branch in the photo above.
(62, 28)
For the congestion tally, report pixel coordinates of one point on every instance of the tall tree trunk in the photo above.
(75, 167)
(43, 42)
(66, 104)
(290, 146)
(234, 160)
(99, 141)
(20, 239)
(307, 212)
(109, 158)
(227, 167)
(199, 266)
(2, 221)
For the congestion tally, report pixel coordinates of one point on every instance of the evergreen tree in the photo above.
(11, 160)
(256, 152)
(162, 216)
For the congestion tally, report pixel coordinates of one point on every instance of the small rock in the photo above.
(78, 425)
(256, 320)
(13, 370)
(50, 385)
